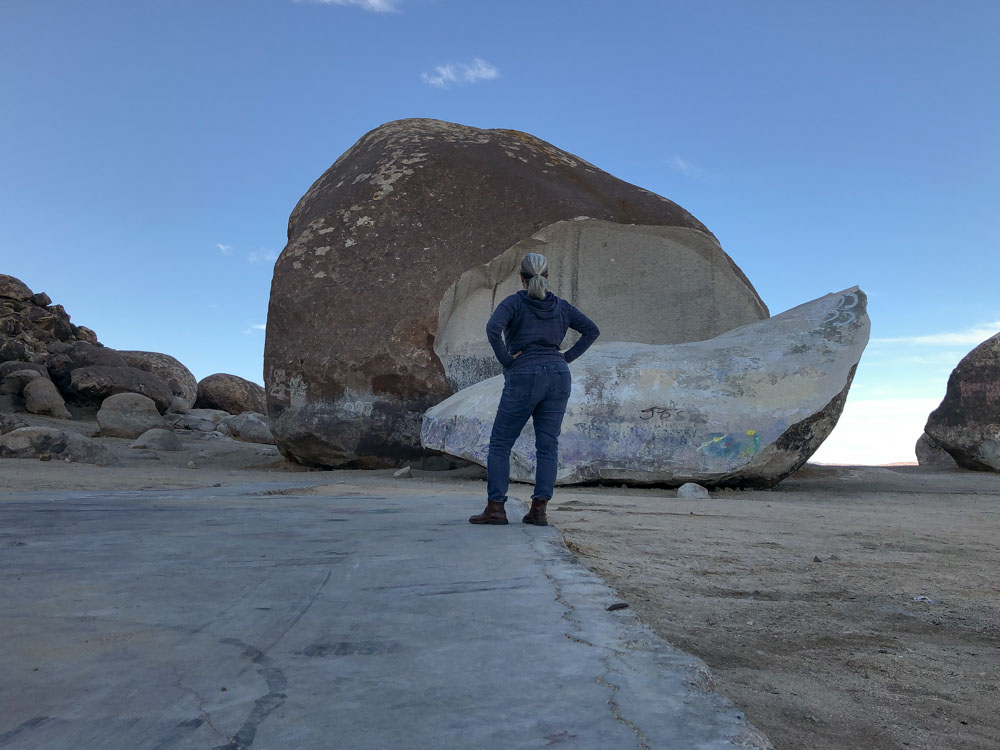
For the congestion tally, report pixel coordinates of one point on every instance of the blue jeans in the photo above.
(539, 391)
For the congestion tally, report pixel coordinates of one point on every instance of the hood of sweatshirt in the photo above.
(542, 308)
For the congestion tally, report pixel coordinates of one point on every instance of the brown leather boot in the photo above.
(536, 516)
(494, 514)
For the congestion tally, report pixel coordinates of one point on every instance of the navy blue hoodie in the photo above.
(536, 328)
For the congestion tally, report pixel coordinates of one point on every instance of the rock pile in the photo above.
(48, 364)
(967, 423)
(380, 239)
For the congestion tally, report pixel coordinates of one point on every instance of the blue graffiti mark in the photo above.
(731, 445)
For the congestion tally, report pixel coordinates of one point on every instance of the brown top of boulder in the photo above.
(182, 383)
(14, 288)
(229, 393)
(377, 240)
(965, 422)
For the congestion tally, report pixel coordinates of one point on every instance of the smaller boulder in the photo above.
(10, 422)
(230, 393)
(249, 427)
(59, 445)
(42, 397)
(179, 379)
(692, 491)
(157, 439)
(929, 453)
(92, 385)
(128, 415)
(966, 422)
(14, 383)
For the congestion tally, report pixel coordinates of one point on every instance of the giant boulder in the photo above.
(376, 243)
(744, 409)
(967, 423)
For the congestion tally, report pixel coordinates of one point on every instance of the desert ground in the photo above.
(848, 608)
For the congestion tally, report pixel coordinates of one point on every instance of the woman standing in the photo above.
(537, 383)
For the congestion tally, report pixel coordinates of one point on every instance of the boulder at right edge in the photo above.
(744, 409)
(967, 423)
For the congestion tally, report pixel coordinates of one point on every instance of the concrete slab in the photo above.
(228, 618)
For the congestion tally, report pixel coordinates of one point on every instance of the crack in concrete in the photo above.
(202, 711)
(616, 710)
(601, 679)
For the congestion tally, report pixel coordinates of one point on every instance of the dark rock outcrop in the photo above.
(179, 379)
(374, 244)
(967, 423)
(230, 393)
(92, 385)
(30, 325)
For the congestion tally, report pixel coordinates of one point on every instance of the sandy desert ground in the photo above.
(849, 608)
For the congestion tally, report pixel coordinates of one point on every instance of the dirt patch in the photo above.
(848, 608)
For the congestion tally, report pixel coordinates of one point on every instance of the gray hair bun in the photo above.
(534, 269)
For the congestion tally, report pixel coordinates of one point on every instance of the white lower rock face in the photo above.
(744, 409)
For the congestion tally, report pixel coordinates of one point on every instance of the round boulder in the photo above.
(967, 423)
(128, 415)
(179, 379)
(42, 397)
(375, 245)
(230, 393)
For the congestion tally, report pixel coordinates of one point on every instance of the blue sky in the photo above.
(153, 151)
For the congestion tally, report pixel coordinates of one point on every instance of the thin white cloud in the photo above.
(226, 249)
(257, 327)
(375, 6)
(451, 74)
(686, 168)
(969, 337)
(262, 256)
